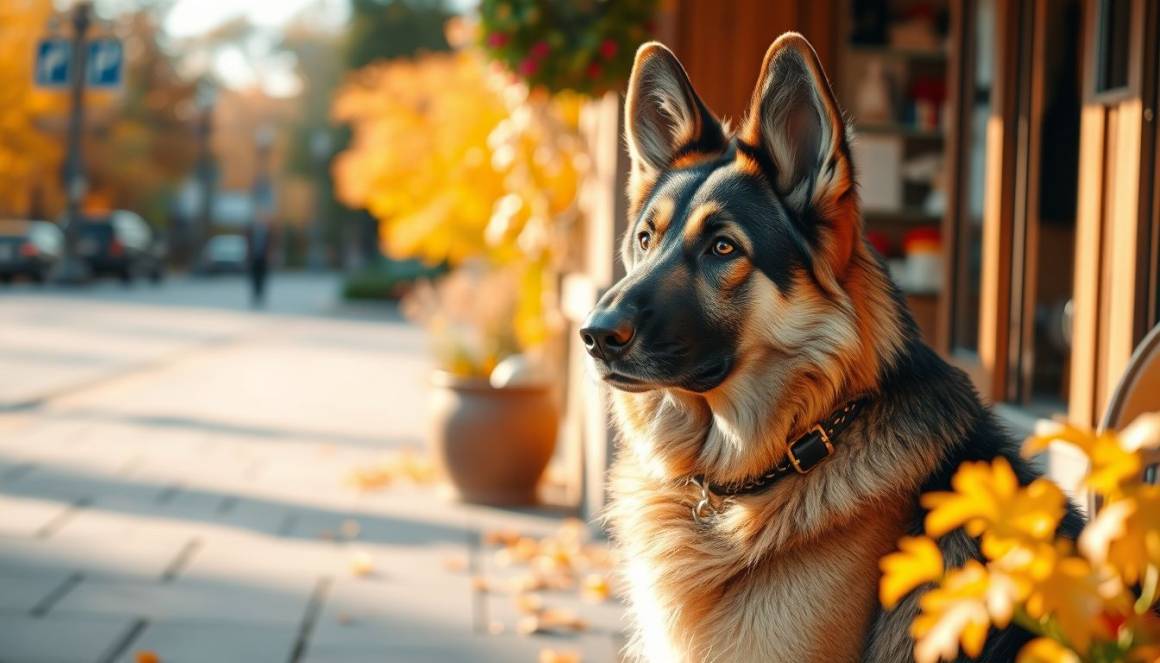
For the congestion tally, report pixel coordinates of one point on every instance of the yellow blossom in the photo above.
(1046, 650)
(1073, 598)
(987, 501)
(1142, 433)
(1126, 534)
(917, 562)
(952, 613)
(1112, 464)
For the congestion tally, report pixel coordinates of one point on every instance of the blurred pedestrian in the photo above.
(258, 258)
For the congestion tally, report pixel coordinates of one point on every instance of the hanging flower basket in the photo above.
(585, 46)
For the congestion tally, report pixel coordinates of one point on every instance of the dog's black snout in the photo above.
(607, 334)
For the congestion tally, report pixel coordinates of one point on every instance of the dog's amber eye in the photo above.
(644, 239)
(723, 247)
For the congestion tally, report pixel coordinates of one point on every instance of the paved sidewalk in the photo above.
(179, 486)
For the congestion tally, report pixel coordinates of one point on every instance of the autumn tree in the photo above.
(30, 155)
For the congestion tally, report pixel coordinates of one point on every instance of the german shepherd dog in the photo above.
(757, 337)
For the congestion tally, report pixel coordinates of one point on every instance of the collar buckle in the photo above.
(810, 449)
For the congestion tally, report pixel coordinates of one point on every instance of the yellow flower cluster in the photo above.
(1093, 600)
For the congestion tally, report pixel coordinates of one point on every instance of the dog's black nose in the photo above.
(606, 334)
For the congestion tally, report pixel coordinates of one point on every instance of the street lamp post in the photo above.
(320, 148)
(72, 270)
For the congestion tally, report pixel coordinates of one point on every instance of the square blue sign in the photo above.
(105, 63)
(53, 62)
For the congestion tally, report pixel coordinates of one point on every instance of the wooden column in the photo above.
(588, 434)
(1114, 217)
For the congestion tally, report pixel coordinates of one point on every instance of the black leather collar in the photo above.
(804, 454)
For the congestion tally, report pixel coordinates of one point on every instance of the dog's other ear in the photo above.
(666, 123)
(794, 121)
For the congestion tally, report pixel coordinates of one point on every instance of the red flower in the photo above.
(540, 50)
(595, 70)
(497, 39)
(608, 49)
(529, 67)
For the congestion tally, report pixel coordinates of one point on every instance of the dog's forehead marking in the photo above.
(697, 217)
(661, 214)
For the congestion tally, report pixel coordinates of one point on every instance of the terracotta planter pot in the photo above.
(492, 443)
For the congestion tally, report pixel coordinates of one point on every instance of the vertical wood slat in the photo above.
(1110, 232)
(1122, 223)
(999, 202)
(1086, 316)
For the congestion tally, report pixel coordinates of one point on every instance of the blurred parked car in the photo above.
(223, 254)
(120, 244)
(29, 249)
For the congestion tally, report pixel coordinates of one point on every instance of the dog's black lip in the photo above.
(712, 377)
(626, 382)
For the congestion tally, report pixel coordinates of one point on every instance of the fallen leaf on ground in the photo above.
(147, 657)
(529, 603)
(559, 656)
(454, 564)
(551, 620)
(595, 588)
(362, 564)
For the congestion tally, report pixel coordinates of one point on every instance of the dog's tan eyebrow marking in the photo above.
(661, 216)
(696, 223)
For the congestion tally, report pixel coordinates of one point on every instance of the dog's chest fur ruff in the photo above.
(697, 594)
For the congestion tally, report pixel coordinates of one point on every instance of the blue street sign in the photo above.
(53, 61)
(105, 63)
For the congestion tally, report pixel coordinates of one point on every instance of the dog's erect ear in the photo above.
(667, 123)
(795, 122)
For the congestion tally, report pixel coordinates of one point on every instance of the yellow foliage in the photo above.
(1111, 463)
(1046, 650)
(917, 562)
(953, 612)
(29, 157)
(987, 501)
(1091, 602)
(418, 160)
(458, 162)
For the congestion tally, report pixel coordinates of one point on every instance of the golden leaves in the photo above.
(1111, 463)
(917, 562)
(1076, 597)
(987, 501)
(953, 612)
(1046, 650)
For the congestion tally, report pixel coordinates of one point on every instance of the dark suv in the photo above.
(29, 249)
(121, 244)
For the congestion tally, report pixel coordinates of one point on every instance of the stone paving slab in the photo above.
(61, 639)
(200, 601)
(22, 593)
(458, 648)
(377, 611)
(96, 558)
(182, 641)
(28, 516)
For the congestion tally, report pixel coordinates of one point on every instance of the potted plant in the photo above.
(493, 418)
(492, 195)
